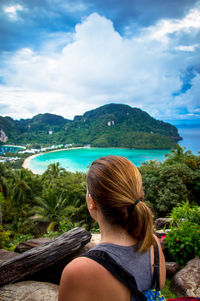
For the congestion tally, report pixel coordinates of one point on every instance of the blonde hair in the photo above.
(116, 184)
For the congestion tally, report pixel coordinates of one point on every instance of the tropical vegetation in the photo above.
(183, 241)
(172, 181)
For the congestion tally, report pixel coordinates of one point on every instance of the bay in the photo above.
(80, 159)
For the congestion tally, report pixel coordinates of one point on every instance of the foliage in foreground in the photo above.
(168, 183)
(185, 211)
(4, 238)
(183, 241)
(29, 199)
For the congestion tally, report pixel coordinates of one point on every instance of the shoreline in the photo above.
(26, 161)
(17, 146)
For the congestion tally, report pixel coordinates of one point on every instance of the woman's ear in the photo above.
(92, 203)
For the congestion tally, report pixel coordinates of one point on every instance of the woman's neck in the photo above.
(115, 234)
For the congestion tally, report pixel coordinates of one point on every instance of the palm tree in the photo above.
(22, 192)
(1, 202)
(51, 207)
(5, 175)
(178, 154)
(53, 172)
(80, 214)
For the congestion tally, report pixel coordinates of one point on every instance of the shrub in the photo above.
(183, 242)
(185, 210)
(16, 240)
(63, 227)
(166, 185)
(4, 238)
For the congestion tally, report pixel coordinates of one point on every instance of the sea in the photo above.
(80, 159)
(191, 137)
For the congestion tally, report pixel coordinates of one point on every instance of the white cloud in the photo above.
(97, 66)
(187, 48)
(166, 27)
(12, 11)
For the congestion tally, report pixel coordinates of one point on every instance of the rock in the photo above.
(41, 225)
(172, 268)
(29, 291)
(95, 240)
(186, 283)
(31, 243)
(162, 222)
(96, 237)
(160, 233)
(5, 255)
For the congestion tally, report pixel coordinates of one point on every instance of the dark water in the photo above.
(191, 137)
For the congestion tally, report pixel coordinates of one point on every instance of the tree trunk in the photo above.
(61, 249)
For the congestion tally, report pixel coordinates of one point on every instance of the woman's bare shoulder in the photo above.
(76, 279)
(79, 267)
(84, 278)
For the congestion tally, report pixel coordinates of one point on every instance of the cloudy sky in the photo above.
(69, 56)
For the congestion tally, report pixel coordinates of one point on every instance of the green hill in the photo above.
(112, 125)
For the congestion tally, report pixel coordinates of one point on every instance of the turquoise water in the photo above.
(79, 159)
(10, 148)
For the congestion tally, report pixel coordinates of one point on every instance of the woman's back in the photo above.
(137, 264)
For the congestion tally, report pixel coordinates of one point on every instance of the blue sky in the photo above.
(67, 57)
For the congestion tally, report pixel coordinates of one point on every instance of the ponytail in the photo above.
(140, 224)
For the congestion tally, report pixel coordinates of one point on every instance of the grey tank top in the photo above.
(137, 264)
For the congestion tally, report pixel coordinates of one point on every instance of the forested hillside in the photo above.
(112, 125)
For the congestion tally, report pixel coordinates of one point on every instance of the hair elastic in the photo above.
(136, 202)
(132, 207)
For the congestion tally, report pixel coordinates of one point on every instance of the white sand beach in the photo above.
(26, 161)
(9, 145)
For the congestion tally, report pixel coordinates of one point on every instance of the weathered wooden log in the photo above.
(39, 258)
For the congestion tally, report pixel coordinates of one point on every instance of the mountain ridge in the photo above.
(111, 125)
